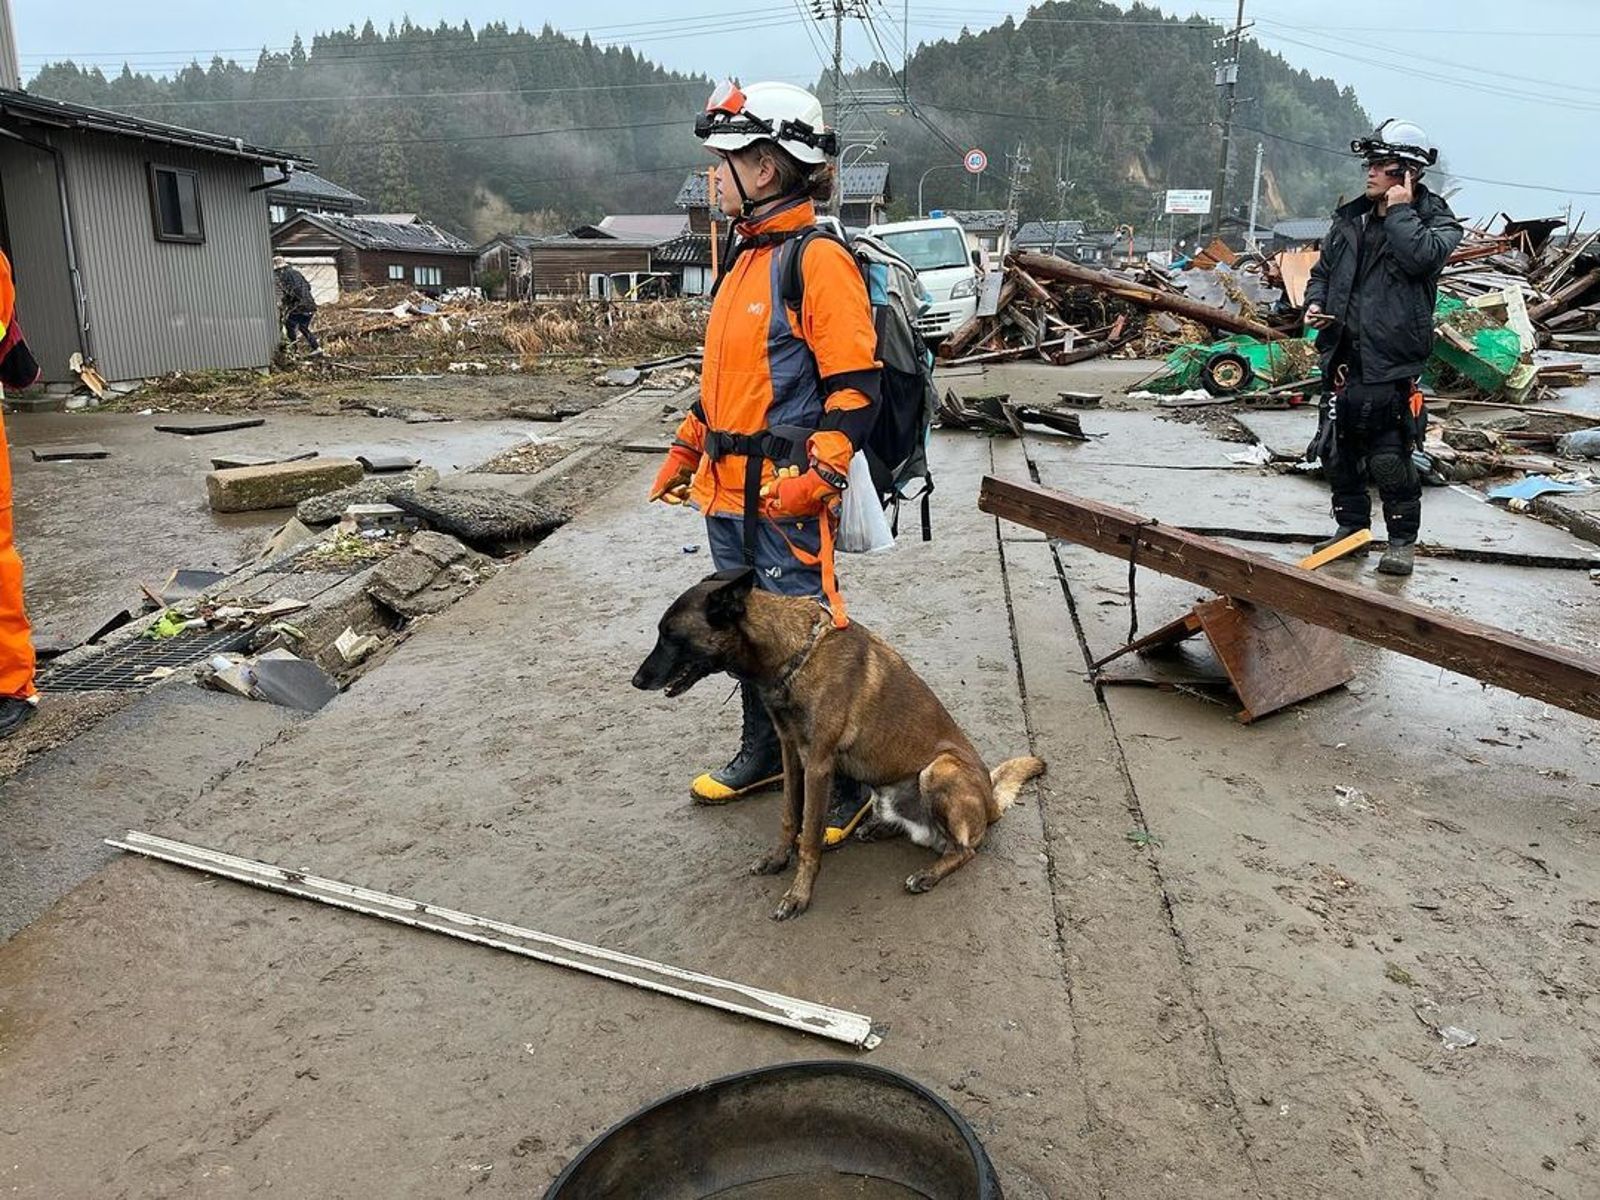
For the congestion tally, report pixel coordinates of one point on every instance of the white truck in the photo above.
(937, 250)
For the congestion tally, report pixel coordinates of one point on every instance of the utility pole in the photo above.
(1063, 186)
(1020, 166)
(1228, 81)
(1255, 195)
(839, 9)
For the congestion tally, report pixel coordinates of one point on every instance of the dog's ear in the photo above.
(725, 601)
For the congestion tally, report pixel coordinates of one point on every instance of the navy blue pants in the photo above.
(777, 569)
(300, 323)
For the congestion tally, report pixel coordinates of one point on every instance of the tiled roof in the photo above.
(310, 186)
(689, 250)
(1302, 229)
(367, 233)
(660, 226)
(1042, 233)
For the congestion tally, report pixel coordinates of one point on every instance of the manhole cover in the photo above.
(119, 670)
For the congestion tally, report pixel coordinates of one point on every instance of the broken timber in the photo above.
(819, 1019)
(1046, 266)
(1561, 677)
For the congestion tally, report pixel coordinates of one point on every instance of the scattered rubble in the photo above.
(432, 572)
(482, 517)
(70, 452)
(279, 485)
(277, 677)
(329, 507)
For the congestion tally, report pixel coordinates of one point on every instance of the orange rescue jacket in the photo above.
(767, 366)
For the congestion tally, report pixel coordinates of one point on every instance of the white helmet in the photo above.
(1397, 139)
(779, 112)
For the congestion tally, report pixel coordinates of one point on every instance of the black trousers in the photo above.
(1374, 447)
(300, 323)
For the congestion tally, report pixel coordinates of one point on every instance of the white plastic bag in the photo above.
(863, 525)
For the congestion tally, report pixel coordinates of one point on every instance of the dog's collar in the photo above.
(819, 627)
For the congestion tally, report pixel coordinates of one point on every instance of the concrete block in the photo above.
(440, 547)
(246, 489)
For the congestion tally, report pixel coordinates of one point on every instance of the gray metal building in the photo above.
(141, 246)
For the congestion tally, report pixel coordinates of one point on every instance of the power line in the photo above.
(561, 91)
(1456, 81)
(485, 137)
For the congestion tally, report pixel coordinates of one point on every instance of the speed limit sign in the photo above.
(976, 162)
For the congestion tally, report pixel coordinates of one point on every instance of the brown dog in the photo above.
(840, 698)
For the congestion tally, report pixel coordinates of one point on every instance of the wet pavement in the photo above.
(1199, 959)
(91, 530)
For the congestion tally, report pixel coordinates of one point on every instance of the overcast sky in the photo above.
(1509, 92)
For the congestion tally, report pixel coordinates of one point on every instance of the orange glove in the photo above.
(792, 494)
(672, 481)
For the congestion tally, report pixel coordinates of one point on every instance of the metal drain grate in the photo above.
(119, 670)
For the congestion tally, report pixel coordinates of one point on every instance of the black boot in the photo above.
(758, 765)
(850, 802)
(14, 714)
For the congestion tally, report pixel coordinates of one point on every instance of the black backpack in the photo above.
(897, 446)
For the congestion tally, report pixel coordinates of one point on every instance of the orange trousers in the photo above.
(16, 638)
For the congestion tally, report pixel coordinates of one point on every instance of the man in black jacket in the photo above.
(1371, 300)
(295, 303)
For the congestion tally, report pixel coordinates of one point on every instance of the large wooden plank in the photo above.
(1560, 677)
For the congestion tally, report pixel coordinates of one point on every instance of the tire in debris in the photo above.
(1226, 373)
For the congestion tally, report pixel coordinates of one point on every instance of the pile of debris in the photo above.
(374, 332)
(1062, 312)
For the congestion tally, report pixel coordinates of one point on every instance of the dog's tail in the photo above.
(1007, 780)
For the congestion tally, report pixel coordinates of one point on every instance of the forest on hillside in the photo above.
(504, 129)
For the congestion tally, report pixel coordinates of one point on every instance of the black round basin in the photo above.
(826, 1130)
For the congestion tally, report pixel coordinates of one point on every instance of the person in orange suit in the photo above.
(786, 397)
(18, 697)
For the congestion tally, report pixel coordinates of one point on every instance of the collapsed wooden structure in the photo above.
(1558, 676)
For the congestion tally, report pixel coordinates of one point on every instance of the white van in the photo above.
(937, 250)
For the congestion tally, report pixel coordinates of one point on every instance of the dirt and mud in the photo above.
(1198, 959)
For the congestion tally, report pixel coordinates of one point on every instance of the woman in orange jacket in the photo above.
(786, 397)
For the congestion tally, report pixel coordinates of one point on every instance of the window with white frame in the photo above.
(277, 213)
(397, 272)
(427, 276)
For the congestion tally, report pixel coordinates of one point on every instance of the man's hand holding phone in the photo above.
(1403, 192)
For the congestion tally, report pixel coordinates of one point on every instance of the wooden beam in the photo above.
(1044, 266)
(1565, 297)
(1558, 676)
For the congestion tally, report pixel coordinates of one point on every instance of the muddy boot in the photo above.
(1343, 532)
(14, 714)
(851, 801)
(1398, 559)
(758, 765)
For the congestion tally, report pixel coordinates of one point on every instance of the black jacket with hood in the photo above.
(1397, 288)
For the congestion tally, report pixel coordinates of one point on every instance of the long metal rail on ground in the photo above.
(804, 1015)
(1565, 678)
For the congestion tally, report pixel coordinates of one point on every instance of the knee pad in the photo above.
(1392, 470)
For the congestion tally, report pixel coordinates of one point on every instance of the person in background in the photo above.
(295, 303)
(1371, 299)
(18, 696)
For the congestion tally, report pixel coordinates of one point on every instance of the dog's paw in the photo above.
(791, 906)
(771, 864)
(922, 881)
